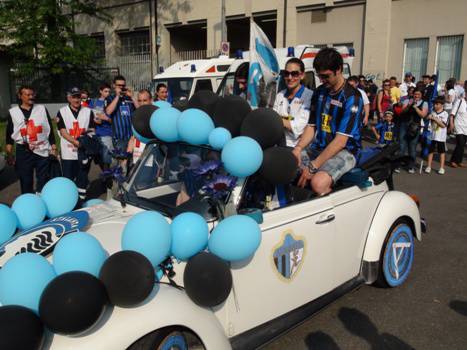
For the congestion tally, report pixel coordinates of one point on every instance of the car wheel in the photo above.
(397, 255)
(170, 338)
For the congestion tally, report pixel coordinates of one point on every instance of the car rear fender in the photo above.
(167, 306)
(392, 206)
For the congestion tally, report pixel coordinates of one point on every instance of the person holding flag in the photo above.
(264, 69)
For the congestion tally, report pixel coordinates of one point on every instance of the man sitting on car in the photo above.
(334, 123)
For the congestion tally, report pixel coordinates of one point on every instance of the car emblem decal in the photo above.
(288, 256)
(42, 238)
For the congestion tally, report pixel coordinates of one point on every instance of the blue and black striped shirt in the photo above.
(338, 113)
(121, 117)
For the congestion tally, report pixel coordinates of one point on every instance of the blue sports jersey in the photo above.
(386, 132)
(338, 113)
(104, 128)
(121, 117)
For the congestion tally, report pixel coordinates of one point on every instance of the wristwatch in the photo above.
(312, 169)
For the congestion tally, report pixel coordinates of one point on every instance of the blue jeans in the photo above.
(408, 144)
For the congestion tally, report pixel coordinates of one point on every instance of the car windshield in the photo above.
(178, 88)
(169, 175)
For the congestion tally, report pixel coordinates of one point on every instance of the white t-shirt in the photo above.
(452, 96)
(366, 100)
(460, 119)
(437, 132)
(404, 88)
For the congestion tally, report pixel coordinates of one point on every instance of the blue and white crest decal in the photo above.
(42, 238)
(288, 255)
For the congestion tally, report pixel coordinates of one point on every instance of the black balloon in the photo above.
(265, 126)
(279, 165)
(20, 328)
(205, 100)
(181, 105)
(207, 279)
(128, 277)
(229, 113)
(72, 303)
(140, 120)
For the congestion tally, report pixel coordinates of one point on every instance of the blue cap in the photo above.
(74, 91)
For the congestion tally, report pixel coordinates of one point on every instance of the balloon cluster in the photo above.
(70, 295)
(59, 196)
(249, 140)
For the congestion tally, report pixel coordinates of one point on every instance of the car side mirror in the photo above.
(254, 213)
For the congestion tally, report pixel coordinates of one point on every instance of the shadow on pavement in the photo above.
(360, 325)
(459, 306)
(320, 341)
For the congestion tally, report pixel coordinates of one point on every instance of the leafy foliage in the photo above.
(40, 33)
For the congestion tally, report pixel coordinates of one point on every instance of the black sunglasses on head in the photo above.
(293, 74)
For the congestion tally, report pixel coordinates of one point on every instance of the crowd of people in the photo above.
(323, 127)
(87, 128)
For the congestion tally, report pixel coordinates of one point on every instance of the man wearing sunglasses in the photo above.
(293, 103)
(334, 125)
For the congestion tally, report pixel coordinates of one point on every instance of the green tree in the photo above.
(40, 34)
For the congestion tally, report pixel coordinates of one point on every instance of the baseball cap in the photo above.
(74, 91)
(408, 74)
(389, 112)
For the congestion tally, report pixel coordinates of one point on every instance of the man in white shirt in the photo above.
(404, 87)
(458, 124)
(353, 81)
(293, 103)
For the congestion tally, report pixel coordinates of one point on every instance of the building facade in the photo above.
(389, 37)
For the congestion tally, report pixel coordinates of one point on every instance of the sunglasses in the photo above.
(387, 85)
(293, 74)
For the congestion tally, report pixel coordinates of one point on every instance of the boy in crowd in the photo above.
(384, 130)
(103, 125)
(439, 120)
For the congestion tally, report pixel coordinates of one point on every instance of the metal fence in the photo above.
(136, 69)
(192, 55)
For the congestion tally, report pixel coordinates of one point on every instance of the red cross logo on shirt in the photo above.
(31, 131)
(137, 143)
(76, 131)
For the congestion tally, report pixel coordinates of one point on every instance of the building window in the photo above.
(347, 45)
(99, 42)
(318, 16)
(449, 57)
(415, 56)
(135, 43)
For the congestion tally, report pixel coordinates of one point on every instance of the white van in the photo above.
(184, 78)
(306, 53)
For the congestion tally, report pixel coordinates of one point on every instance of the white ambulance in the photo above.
(306, 53)
(184, 78)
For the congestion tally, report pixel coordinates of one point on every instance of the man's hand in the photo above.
(53, 150)
(297, 152)
(304, 177)
(118, 91)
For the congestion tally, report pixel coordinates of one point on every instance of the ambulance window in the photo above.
(203, 84)
(223, 67)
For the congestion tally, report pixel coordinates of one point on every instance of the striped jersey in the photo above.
(336, 113)
(121, 117)
(386, 132)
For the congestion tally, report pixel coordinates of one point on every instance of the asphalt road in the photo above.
(428, 312)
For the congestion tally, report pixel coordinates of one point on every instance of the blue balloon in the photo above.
(8, 221)
(242, 156)
(189, 235)
(23, 279)
(235, 238)
(194, 126)
(219, 137)
(29, 209)
(162, 104)
(79, 251)
(148, 233)
(163, 124)
(92, 202)
(60, 196)
(139, 137)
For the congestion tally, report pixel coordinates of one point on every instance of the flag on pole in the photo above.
(263, 64)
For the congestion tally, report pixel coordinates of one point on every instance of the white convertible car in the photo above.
(313, 250)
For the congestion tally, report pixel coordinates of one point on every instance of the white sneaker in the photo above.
(427, 170)
(411, 171)
(441, 171)
(397, 170)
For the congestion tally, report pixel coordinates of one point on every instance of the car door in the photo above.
(354, 209)
(293, 265)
